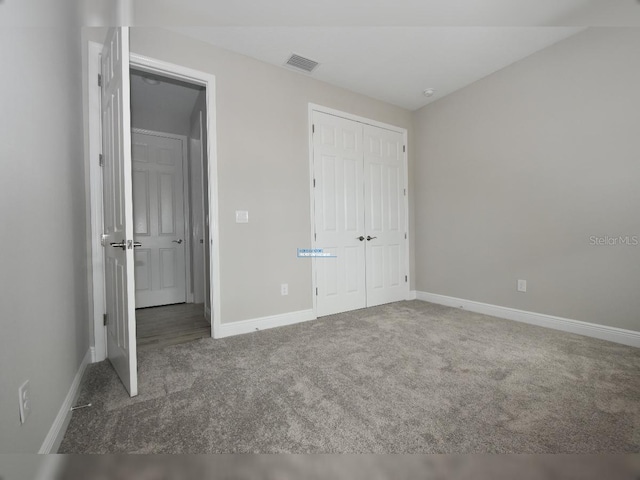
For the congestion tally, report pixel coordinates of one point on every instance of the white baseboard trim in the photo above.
(412, 295)
(56, 432)
(92, 351)
(603, 332)
(263, 323)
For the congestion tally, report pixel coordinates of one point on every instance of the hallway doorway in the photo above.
(168, 150)
(110, 177)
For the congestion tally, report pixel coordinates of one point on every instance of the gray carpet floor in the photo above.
(409, 377)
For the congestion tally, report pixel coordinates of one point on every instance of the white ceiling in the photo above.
(305, 13)
(170, 98)
(393, 64)
(391, 50)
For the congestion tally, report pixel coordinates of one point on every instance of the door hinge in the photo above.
(313, 129)
(404, 148)
(405, 192)
(315, 236)
(99, 79)
(406, 278)
(405, 236)
(101, 160)
(314, 183)
(105, 319)
(316, 291)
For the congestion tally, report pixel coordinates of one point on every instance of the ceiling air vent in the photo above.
(301, 63)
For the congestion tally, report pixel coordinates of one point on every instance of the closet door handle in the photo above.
(177, 241)
(361, 238)
(369, 238)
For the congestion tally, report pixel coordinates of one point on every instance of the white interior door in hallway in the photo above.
(159, 219)
(360, 214)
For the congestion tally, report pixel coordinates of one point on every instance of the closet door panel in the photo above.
(385, 219)
(339, 213)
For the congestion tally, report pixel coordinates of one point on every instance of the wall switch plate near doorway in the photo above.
(24, 393)
(522, 285)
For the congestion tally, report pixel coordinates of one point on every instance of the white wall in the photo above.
(43, 279)
(263, 164)
(150, 120)
(164, 108)
(516, 172)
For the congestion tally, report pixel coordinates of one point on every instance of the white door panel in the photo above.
(118, 208)
(159, 220)
(384, 215)
(339, 213)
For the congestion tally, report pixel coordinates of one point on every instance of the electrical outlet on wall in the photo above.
(522, 285)
(284, 289)
(24, 393)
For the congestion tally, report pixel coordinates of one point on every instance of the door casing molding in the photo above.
(94, 194)
(367, 121)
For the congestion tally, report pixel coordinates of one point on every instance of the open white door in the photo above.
(118, 208)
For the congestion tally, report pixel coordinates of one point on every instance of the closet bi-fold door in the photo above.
(360, 214)
(385, 220)
(339, 213)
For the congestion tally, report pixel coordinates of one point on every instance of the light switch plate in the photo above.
(242, 216)
(522, 285)
(24, 394)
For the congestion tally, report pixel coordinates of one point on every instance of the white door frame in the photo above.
(186, 203)
(367, 121)
(178, 72)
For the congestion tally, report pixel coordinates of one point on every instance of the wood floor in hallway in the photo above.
(170, 325)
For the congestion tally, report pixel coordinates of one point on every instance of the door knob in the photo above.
(177, 241)
(361, 238)
(369, 238)
(137, 244)
(122, 245)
